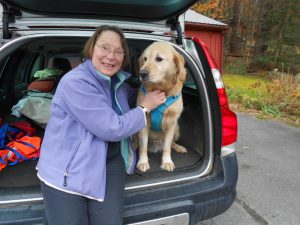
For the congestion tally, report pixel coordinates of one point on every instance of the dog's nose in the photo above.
(144, 74)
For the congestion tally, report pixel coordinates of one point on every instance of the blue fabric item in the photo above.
(128, 154)
(114, 80)
(156, 115)
(3, 135)
(7, 132)
(81, 125)
(114, 147)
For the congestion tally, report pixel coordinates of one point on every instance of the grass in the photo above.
(268, 98)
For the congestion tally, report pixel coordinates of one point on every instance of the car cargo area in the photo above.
(31, 55)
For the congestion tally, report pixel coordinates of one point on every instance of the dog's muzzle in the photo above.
(144, 74)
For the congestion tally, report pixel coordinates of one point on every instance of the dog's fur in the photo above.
(166, 72)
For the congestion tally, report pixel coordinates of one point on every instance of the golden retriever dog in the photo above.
(161, 68)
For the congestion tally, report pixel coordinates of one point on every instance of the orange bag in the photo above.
(14, 147)
(24, 148)
(3, 159)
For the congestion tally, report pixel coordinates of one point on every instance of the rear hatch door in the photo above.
(154, 15)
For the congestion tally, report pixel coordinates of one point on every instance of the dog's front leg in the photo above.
(143, 164)
(167, 163)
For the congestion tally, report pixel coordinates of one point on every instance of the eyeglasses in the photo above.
(105, 50)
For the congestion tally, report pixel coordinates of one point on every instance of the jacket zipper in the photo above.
(65, 178)
(66, 173)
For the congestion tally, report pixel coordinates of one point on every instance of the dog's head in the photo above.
(161, 62)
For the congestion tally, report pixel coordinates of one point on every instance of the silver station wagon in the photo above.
(35, 34)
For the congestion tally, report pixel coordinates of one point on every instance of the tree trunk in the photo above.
(261, 46)
(280, 34)
(234, 47)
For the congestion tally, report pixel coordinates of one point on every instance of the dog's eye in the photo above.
(145, 58)
(158, 59)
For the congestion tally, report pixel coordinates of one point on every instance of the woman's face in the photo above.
(108, 53)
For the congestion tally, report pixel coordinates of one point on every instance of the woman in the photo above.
(81, 167)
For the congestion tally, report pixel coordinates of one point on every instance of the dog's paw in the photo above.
(169, 166)
(178, 148)
(143, 166)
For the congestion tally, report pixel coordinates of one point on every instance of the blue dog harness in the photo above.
(156, 115)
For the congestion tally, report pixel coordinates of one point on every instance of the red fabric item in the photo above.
(43, 85)
(24, 126)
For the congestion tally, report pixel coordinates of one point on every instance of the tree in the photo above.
(234, 47)
(264, 32)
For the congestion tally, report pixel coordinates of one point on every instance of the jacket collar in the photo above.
(122, 75)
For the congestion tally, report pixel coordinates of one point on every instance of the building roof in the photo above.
(194, 17)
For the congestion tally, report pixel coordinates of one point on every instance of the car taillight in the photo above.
(229, 119)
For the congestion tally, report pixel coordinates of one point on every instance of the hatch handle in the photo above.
(176, 26)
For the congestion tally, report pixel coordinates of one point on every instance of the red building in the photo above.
(210, 31)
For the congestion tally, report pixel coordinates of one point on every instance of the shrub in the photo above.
(236, 67)
(283, 94)
(271, 111)
(278, 96)
(263, 62)
(252, 103)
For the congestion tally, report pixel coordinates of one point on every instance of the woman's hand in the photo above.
(153, 99)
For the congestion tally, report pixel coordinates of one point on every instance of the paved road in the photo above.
(268, 190)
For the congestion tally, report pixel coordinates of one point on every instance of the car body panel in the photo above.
(200, 199)
(128, 10)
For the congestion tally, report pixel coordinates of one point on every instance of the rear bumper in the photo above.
(201, 199)
(185, 203)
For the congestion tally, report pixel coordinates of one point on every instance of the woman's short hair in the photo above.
(90, 44)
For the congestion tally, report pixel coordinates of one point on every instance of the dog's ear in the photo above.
(179, 62)
(141, 60)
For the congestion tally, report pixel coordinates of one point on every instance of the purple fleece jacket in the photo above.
(82, 122)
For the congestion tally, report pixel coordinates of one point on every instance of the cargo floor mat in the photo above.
(20, 175)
